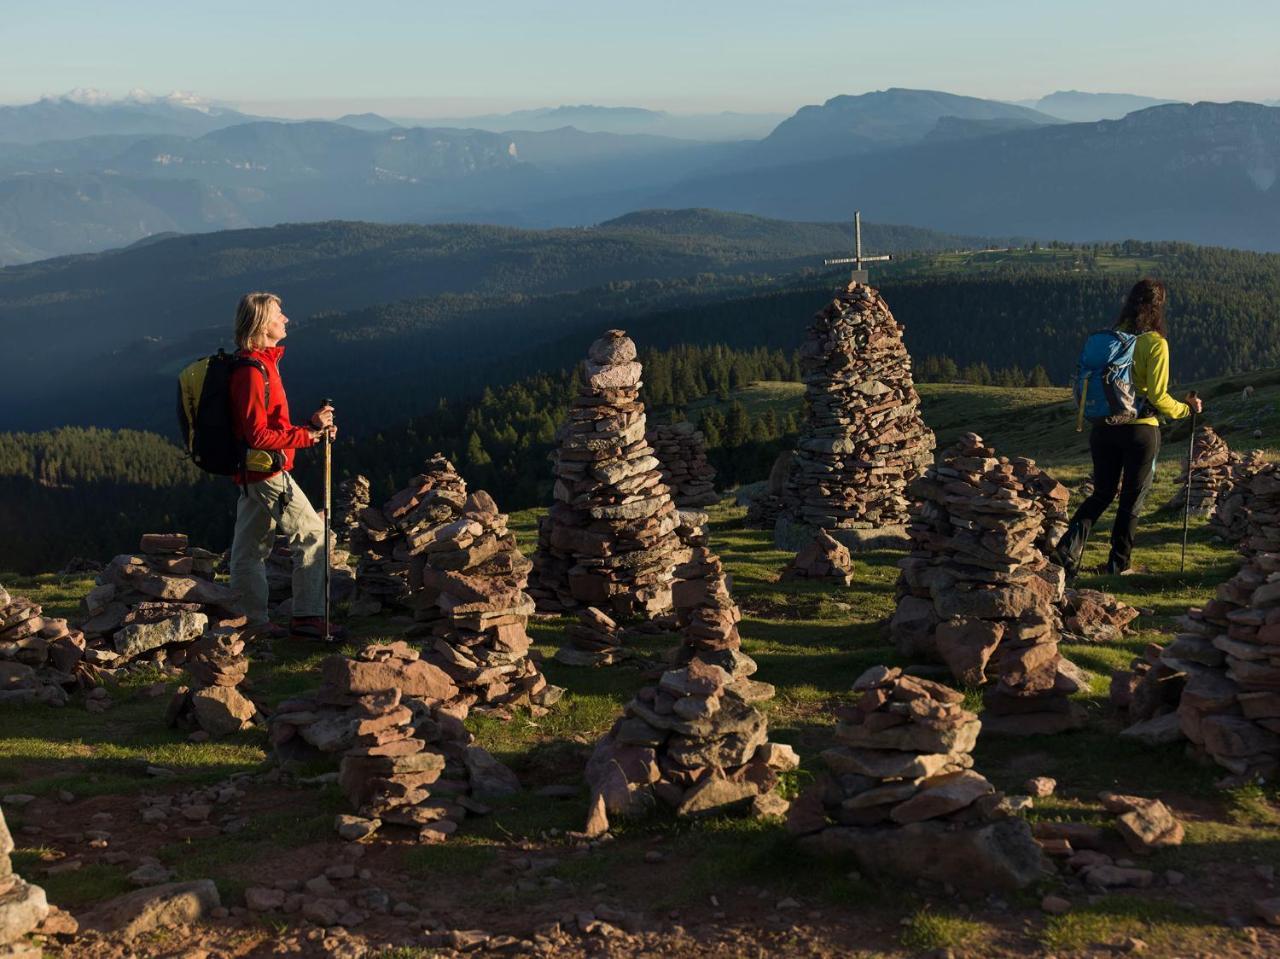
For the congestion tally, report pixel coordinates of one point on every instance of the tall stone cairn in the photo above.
(902, 796)
(407, 759)
(979, 593)
(1230, 517)
(695, 741)
(1210, 473)
(863, 439)
(681, 449)
(1227, 654)
(353, 495)
(609, 538)
(22, 906)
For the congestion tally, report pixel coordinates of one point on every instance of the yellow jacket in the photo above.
(1151, 379)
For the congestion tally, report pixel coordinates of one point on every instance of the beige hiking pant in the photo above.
(261, 508)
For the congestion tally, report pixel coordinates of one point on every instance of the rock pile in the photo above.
(1210, 473)
(862, 440)
(387, 540)
(1229, 652)
(353, 497)
(609, 538)
(903, 797)
(1230, 518)
(40, 656)
(213, 704)
(474, 608)
(681, 449)
(824, 559)
(769, 503)
(695, 741)
(407, 760)
(22, 906)
(978, 592)
(594, 640)
(1092, 616)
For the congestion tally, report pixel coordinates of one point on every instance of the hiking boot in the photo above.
(263, 631)
(311, 629)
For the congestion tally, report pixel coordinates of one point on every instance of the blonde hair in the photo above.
(251, 318)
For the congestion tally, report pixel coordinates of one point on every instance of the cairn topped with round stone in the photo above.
(609, 539)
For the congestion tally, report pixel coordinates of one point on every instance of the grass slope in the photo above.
(811, 641)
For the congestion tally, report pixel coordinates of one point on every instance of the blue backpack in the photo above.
(1104, 387)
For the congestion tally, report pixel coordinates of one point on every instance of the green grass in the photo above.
(1115, 918)
(926, 930)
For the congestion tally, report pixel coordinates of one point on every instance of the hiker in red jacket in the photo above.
(269, 497)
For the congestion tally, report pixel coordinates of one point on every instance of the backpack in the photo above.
(1104, 388)
(204, 412)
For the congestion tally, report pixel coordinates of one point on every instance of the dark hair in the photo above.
(1143, 309)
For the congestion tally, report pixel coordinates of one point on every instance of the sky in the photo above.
(318, 58)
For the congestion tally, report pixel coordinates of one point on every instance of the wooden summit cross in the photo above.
(859, 274)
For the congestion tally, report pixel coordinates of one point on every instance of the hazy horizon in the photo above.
(325, 59)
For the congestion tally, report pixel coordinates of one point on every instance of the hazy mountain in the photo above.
(366, 121)
(86, 113)
(1205, 173)
(958, 128)
(115, 322)
(727, 125)
(848, 125)
(1077, 107)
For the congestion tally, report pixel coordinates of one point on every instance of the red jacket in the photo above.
(259, 425)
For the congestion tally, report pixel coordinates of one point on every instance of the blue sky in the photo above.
(477, 55)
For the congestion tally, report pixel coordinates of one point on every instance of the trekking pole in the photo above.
(328, 495)
(1186, 506)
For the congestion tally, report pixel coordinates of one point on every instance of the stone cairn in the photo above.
(1230, 518)
(825, 559)
(695, 741)
(213, 704)
(406, 758)
(353, 496)
(1210, 473)
(681, 449)
(40, 656)
(766, 506)
(1092, 616)
(381, 540)
(978, 592)
(449, 559)
(862, 440)
(902, 796)
(609, 538)
(1227, 654)
(23, 906)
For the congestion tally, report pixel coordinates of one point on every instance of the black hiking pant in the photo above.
(1124, 459)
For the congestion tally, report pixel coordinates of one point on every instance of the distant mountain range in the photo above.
(1203, 173)
(707, 127)
(121, 323)
(87, 113)
(1077, 107)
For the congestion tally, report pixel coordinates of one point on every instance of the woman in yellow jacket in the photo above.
(1124, 455)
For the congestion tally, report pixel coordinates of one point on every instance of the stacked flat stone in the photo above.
(1229, 652)
(213, 705)
(823, 559)
(609, 538)
(862, 440)
(1092, 616)
(406, 757)
(681, 449)
(1230, 518)
(353, 496)
(473, 606)
(765, 508)
(149, 607)
(978, 592)
(595, 639)
(1210, 473)
(902, 796)
(384, 540)
(40, 656)
(695, 741)
(22, 906)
